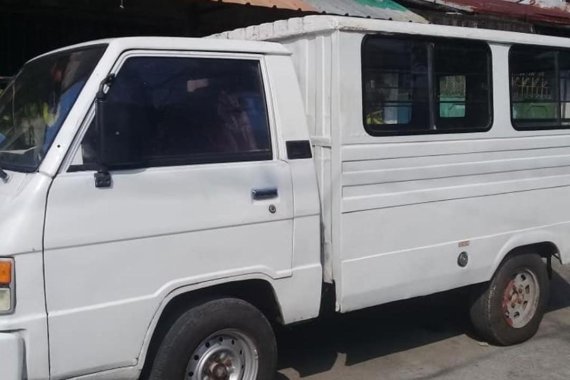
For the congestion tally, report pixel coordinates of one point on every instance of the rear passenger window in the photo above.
(178, 111)
(396, 92)
(463, 86)
(540, 87)
(415, 86)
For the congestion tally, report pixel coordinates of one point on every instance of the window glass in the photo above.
(564, 86)
(462, 79)
(165, 111)
(395, 84)
(35, 105)
(534, 97)
(452, 96)
(420, 85)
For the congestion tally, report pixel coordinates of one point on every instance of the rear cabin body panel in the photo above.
(410, 205)
(398, 210)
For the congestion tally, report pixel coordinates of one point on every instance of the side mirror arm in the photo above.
(102, 176)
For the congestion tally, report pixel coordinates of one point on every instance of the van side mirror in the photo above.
(102, 176)
(122, 123)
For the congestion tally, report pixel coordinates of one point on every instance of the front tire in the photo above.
(508, 310)
(221, 339)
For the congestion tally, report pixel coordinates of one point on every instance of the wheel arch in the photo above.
(259, 292)
(543, 243)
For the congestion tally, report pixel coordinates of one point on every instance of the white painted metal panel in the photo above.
(113, 254)
(300, 28)
(22, 206)
(313, 64)
(396, 208)
(291, 125)
(11, 356)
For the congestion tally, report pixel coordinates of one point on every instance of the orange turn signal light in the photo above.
(5, 272)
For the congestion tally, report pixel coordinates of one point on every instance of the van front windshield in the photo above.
(35, 104)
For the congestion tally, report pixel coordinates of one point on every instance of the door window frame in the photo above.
(73, 161)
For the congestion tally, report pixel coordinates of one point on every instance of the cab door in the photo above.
(197, 193)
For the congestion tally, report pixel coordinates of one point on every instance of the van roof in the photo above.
(182, 43)
(296, 28)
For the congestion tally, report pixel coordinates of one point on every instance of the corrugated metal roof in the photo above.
(538, 11)
(378, 9)
(283, 4)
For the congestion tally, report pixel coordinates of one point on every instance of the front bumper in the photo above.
(11, 356)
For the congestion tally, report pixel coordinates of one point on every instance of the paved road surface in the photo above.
(426, 338)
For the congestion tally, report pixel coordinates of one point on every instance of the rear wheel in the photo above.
(222, 339)
(508, 310)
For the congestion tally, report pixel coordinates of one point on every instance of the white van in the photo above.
(166, 200)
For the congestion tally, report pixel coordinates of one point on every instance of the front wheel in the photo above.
(222, 339)
(509, 309)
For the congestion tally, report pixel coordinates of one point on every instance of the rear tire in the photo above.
(224, 338)
(508, 310)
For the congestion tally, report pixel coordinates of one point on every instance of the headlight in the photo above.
(6, 286)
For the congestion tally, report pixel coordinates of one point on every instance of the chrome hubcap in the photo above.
(225, 355)
(520, 299)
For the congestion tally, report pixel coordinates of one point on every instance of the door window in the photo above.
(165, 111)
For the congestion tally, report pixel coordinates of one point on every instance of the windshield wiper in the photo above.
(3, 175)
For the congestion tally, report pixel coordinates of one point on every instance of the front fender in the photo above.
(186, 290)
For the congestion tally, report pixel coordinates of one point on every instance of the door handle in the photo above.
(263, 194)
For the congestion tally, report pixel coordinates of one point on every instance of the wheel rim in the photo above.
(224, 355)
(520, 299)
